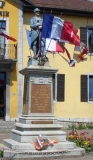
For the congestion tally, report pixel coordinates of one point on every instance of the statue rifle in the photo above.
(39, 42)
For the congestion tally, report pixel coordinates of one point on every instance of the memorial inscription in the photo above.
(42, 122)
(40, 98)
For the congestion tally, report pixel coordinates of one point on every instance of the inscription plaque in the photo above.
(42, 122)
(40, 98)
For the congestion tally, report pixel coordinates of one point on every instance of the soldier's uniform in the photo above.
(35, 33)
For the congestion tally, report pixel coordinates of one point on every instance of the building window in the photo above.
(2, 39)
(90, 87)
(87, 88)
(90, 40)
(86, 36)
(2, 24)
(2, 45)
(58, 87)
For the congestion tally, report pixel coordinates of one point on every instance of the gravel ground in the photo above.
(5, 135)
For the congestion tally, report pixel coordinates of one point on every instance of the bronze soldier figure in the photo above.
(37, 44)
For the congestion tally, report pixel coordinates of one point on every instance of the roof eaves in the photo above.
(30, 2)
(62, 9)
(18, 2)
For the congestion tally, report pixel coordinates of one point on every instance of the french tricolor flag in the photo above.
(72, 63)
(39, 143)
(56, 28)
(52, 46)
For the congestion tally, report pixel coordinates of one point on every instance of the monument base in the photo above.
(25, 133)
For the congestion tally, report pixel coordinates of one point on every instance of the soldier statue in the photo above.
(37, 43)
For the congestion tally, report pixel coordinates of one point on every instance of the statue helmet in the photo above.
(36, 10)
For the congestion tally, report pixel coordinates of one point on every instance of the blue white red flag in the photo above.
(28, 34)
(56, 28)
(39, 142)
(50, 44)
(72, 63)
(53, 46)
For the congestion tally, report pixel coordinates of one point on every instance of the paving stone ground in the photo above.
(7, 134)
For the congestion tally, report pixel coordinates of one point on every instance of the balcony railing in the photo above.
(9, 51)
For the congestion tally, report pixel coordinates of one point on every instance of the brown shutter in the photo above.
(83, 88)
(83, 34)
(60, 87)
(53, 78)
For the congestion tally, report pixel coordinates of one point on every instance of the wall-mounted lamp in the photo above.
(2, 3)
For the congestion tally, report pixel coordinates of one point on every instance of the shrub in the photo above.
(80, 126)
(89, 125)
(72, 126)
(1, 153)
(81, 140)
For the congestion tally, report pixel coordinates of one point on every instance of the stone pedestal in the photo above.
(38, 117)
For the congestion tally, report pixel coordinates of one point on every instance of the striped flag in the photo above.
(52, 46)
(72, 63)
(28, 34)
(39, 142)
(56, 28)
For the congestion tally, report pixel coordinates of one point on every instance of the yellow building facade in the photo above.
(73, 107)
(10, 60)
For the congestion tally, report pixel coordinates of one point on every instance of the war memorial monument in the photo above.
(39, 119)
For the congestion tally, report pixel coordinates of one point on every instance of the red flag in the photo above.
(81, 57)
(6, 35)
(75, 30)
(84, 52)
(68, 54)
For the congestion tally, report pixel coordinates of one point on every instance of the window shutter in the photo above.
(53, 78)
(60, 87)
(83, 88)
(83, 34)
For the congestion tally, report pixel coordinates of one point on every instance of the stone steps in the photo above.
(25, 137)
(45, 153)
(14, 145)
(24, 134)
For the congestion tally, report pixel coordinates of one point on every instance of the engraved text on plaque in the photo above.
(41, 98)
